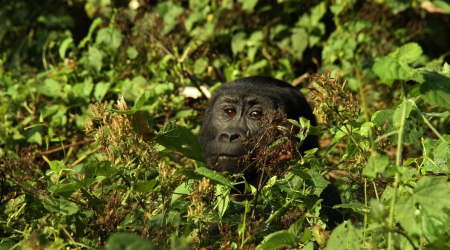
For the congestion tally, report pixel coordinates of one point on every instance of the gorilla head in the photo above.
(235, 113)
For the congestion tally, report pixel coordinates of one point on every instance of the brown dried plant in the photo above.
(334, 104)
(272, 148)
(120, 140)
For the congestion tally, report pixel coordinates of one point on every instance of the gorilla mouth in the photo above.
(227, 156)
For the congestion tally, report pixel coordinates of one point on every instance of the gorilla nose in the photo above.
(232, 135)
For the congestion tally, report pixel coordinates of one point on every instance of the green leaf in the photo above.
(436, 89)
(398, 113)
(277, 240)
(83, 89)
(57, 166)
(110, 37)
(55, 205)
(50, 88)
(65, 44)
(94, 59)
(36, 137)
(102, 168)
(131, 90)
(71, 187)
(200, 66)
(299, 42)
(390, 69)
(145, 186)
(182, 189)
(436, 155)
(170, 13)
(345, 236)
(355, 206)
(422, 212)
(376, 164)
(223, 199)
(409, 52)
(442, 5)
(320, 183)
(248, 5)
(101, 88)
(214, 176)
(180, 139)
(132, 53)
(128, 241)
(238, 43)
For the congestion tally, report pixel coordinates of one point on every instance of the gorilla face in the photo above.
(241, 110)
(235, 113)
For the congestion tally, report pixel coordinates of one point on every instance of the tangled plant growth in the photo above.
(78, 172)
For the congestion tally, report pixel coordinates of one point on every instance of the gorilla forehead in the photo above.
(277, 93)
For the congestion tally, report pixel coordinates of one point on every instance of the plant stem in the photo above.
(398, 163)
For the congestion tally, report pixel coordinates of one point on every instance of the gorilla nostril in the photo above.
(234, 137)
(224, 137)
(229, 138)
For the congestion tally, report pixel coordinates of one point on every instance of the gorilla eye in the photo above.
(230, 112)
(256, 115)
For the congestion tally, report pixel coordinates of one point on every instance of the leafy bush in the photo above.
(80, 168)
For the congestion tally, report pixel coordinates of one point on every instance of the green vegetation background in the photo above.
(80, 169)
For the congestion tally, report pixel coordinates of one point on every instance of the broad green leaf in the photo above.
(94, 59)
(170, 13)
(83, 89)
(145, 186)
(345, 236)
(131, 90)
(299, 42)
(390, 69)
(200, 66)
(101, 88)
(223, 199)
(180, 139)
(378, 209)
(102, 168)
(50, 88)
(384, 121)
(238, 43)
(277, 240)
(110, 37)
(376, 164)
(248, 5)
(436, 89)
(132, 53)
(71, 187)
(191, 19)
(55, 205)
(436, 155)
(442, 5)
(128, 241)
(57, 166)
(295, 228)
(182, 189)
(35, 137)
(397, 117)
(409, 52)
(214, 176)
(355, 206)
(320, 183)
(422, 211)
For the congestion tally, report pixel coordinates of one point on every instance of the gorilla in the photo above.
(236, 112)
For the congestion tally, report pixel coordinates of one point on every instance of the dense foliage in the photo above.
(101, 101)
